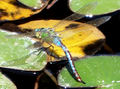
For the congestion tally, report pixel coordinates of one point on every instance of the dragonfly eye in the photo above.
(38, 35)
(39, 29)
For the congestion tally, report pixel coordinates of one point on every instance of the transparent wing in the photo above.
(31, 59)
(75, 16)
(29, 34)
(70, 32)
(35, 45)
(99, 21)
(96, 22)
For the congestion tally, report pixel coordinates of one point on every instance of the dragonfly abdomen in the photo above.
(71, 63)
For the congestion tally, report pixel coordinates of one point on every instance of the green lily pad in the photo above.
(103, 6)
(13, 54)
(35, 4)
(101, 71)
(5, 83)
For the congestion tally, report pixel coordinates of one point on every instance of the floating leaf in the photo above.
(34, 4)
(12, 10)
(15, 49)
(96, 71)
(85, 39)
(5, 83)
(103, 6)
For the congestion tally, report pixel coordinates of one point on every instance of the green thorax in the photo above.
(45, 33)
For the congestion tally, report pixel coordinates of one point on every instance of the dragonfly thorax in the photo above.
(44, 32)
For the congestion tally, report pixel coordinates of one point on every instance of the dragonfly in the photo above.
(50, 36)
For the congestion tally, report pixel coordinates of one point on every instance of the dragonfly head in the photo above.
(38, 32)
(39, 29)
(45, 32)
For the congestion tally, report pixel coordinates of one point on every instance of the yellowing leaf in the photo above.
(12, 10)
(85, 39)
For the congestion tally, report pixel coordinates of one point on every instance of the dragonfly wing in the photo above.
(38, 61)
(79, 14)
(78, 37)
(99, 21)
(20, 61)
(28, 59)
(68, 32)
(35, 45)
(21, 35)
(69, 29)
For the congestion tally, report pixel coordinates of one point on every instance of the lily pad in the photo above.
(35, 4)
(14, 54)
(5, 83)
(103, 6)
(90, 38)
(12, 10)
(96, 71)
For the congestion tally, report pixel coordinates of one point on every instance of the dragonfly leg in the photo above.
(52, 48)
(50, 53)
(36, 52)
(48, 44)
(49, 59)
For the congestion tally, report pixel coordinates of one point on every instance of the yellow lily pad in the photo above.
(85, 39)
(12, 10)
